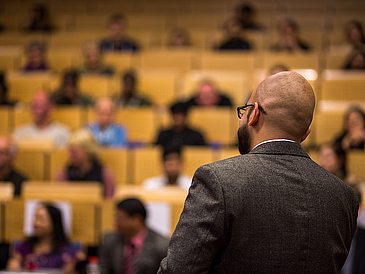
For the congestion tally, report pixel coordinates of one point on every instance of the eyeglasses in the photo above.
(241, 110)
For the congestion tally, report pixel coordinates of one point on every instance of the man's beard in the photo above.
(244, 139)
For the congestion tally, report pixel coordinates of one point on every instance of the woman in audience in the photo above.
(353, 135)
(36, 60)
(354, 32)
(93, 61)
(289, 40)
(68, 93)
(84, 164)
(39, 19)
(333, 158)
(178, 39)
(48, 247)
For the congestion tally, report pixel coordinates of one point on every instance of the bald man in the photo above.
(42, 127)
(106, 132)
(7, 170)
(271, 209)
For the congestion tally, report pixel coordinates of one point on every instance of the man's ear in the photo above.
(254, 115)
(306, 134)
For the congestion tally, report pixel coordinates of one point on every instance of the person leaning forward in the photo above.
(271, 209)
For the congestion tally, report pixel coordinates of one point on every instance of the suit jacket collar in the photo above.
(280, 148)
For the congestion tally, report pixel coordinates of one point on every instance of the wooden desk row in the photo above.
(91, 215)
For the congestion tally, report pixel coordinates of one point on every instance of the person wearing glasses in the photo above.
(271, 209)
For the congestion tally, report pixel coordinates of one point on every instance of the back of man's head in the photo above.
(133, 206)
(289, 102)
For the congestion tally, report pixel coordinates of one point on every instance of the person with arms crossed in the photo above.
(271, 209)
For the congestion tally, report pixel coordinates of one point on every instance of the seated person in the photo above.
(179, 134)
(333, 158)
(8, 173)
(245, 14)
(172, 168)
(353, 135)
(93, 61)
(48, 247)
(129, 95)
(4, 101)
(36, 61)
(356, 60)
(355, 35)
(68, 93)
(105, 131)
(84, 164)
(289, 40)
(234, 40)
(131, 242)
(208, 95)
(178, 39)
(118, 40)
(42, 127)
(39, 19)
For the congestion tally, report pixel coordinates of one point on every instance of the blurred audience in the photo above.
(93, 61)
(172, 172)
(208, 95)
(68, 93)
(277, 69)
(333, 158)
(42, 128)
(178, 39)
(118, 39)
(129, 95)
(84, 164)
(289, 40)
(4, 101)
(353, 135)
(48, 247)
(356, 60)
(39, 19)
(8, 173)
(245, 14)
(36, 60)
(105, 131)
(179, 133)
(234, 40)
(354, 32)
(133, 247)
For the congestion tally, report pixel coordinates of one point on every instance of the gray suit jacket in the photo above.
(111, 254)
(272, 210)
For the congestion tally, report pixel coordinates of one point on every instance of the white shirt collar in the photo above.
(273, 140)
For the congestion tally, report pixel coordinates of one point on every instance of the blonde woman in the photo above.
(84, 164)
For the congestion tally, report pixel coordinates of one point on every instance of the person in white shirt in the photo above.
(42, 128)
(172, 167)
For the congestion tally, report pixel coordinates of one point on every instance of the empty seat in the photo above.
(292, 61)
(227, 61)
(5, 118)
(32, 163)
(193, 157)
(147, 162)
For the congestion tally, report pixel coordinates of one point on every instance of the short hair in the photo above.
(133, 206)
(117, 17)
(359, 26)
(171, 150)
(72, 75)
(84, 139)
(179, 108)
(3, 85)
(130, 74)
(36, 44)
(245, 7)
(290, 21)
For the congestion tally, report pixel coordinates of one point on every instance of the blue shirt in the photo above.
(114, 135)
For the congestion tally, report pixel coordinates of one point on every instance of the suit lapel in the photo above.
(118, 256)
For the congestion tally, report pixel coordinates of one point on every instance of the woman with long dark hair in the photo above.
(48, 247)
